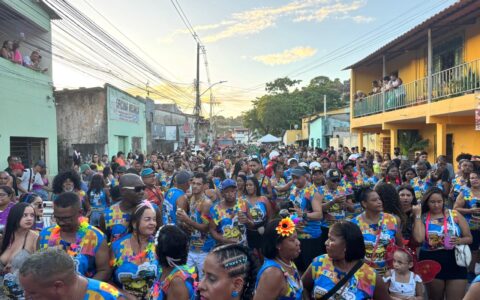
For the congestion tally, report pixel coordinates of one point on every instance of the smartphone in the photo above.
(415, 201)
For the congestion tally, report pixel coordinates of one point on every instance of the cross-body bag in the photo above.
(463, 256)
(30, 180)
(343, 281)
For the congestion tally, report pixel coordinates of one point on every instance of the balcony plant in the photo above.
(410, 141)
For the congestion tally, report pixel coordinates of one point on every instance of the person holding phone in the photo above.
(307, 205)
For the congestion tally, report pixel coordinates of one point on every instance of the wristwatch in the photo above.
(304, 216)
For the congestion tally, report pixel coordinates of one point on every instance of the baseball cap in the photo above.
(228, 183)
(122, 169)
(84, 167)
(303, 164)
(274, 154)
(292, 159)
(332, 174)
(182, 177)
(146, 172)
(325, 158)
(313, 165)
(41, 164)
(298, 171)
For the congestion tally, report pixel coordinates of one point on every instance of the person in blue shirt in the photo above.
(51, 274)
(474, 290)
(176, 197)
(292, 163)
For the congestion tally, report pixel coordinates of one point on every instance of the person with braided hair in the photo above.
(230, 274)
(175, 280)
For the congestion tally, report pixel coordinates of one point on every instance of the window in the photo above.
(312, 142)
(318, 143)
(448, 54)
(30, 150)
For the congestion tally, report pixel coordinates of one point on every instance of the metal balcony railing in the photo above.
(445, 84)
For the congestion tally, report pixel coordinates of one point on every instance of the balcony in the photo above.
(449, 83)
(23, 74)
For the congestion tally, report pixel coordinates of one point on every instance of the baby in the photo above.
(402, 283)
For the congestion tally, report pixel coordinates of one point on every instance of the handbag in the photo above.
(463, 256)
(343, 280)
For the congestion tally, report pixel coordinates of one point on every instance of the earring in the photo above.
(234, 294)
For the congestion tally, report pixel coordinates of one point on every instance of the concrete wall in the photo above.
(121, 128)
(317, 133)
(81, 123)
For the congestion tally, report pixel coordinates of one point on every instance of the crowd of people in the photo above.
(391, 85)
(11, 51)
(243, 223)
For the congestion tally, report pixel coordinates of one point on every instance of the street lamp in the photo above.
(212, 136)
(220, 82)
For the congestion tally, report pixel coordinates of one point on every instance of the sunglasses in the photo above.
(41, 205)
(137, 189)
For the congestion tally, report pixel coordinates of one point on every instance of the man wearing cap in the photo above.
(307, 204)
(176, 197)
(32, 176)
(86, 174)
(351, 181)
(318, 178)
(152, 192)
(230, 217)
(292, 163)
(114, 223)
(325, 164)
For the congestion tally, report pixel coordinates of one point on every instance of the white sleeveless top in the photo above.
(405, 289)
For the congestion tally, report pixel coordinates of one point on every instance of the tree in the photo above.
(283, 107)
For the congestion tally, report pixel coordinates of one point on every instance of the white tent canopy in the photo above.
(269, 139)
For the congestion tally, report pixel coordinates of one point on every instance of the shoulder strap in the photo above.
(30, 180)
(343, 280)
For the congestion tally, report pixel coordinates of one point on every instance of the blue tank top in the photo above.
(294, 284)
(159, 290)
(303, 198)
(170, 206)
(98, 290)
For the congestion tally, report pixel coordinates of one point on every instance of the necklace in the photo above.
(73, 249)
(148, 252)
(290, 266)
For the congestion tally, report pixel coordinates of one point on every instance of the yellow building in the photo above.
(439, 64)
(291, 136)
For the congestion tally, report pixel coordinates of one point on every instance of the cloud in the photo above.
(287, 56)
(256, 20)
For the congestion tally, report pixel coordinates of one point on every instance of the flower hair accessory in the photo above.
(285, 227)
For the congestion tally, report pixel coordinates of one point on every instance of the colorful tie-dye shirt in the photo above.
(170, 205)
(377, 236)
(83, 254)
(325, 276)
(200, 241)
(458, 183)
(116, 222)
(226, 220)
(98, 290)
(134, 274)
(294, 284)
(335, 212)
(435, 236)
(471, 202)
(303, 197)
(420, 186)
(159, 290)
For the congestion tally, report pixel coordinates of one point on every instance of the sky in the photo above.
(250, 42)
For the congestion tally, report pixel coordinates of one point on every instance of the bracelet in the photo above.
(418, 217)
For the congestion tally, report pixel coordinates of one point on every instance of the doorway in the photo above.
(449, 149)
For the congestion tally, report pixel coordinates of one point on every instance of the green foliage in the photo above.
(282, 106)
(410, 141)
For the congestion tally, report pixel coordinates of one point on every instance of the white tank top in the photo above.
(405, 289)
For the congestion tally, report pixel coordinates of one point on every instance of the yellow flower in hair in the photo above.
(285, 227)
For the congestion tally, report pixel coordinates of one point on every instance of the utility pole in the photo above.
(198, 106)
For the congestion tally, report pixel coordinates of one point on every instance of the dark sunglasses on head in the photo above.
(137, 189)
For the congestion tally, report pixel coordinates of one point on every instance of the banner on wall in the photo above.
(124, 110)
(477, 111)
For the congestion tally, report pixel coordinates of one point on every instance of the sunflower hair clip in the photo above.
(286, 227)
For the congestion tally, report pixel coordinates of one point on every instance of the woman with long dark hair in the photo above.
(391, 203)
(379, 229)
(261, 212)
(441, 230)
(134, 262)
(19, 242)
(230, 274)
(410, 207)
(97, 199)
(241, 180)
(240, 166)
(37, 203)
